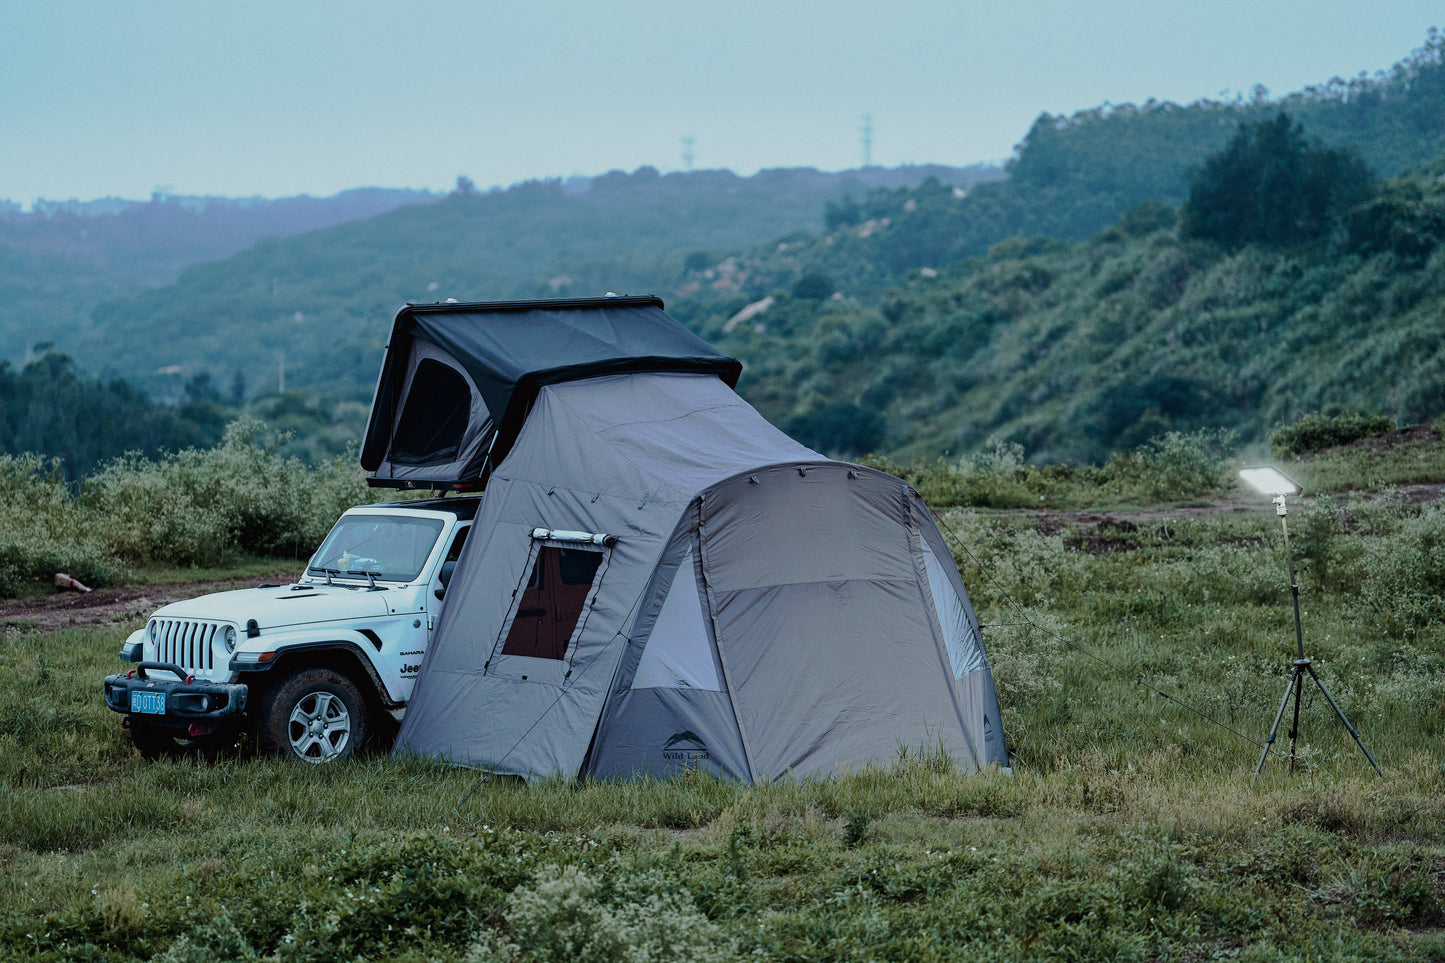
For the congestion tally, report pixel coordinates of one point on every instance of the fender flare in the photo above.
(307, 653)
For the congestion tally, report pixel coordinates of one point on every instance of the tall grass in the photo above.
(1139, 665)
(1128, 828)
(42, 530)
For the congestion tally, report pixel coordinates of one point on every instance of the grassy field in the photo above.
(1140, 651)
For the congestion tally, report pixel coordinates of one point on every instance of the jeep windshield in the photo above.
(388, 547)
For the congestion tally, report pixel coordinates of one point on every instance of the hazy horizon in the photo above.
(271, 100)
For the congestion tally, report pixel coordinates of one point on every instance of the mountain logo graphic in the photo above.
(686, 735)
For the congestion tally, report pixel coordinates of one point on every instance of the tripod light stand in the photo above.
(1269, 480)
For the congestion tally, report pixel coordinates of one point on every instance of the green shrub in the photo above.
(42, 531)
(566, 914)
(1172, 466)
(997, 476)
(1314, 432)
(1404, 575)
(204, 507)
(195, 507)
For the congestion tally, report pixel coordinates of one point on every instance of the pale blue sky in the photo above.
(280, 97)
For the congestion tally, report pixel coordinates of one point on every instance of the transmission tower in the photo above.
(687, 143)
(867, 140)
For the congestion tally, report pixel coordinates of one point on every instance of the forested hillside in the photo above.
(61, 259)
(1077, 349)
(323, 301)
(890, 333)
(1072, 177)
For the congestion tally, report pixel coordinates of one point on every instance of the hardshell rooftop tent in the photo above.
(658, 579)
(457, 379)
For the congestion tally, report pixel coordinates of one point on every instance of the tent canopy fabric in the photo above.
(659, 580)
(505, 351)
(764, 611)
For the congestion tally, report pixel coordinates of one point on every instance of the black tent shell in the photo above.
(458, 378)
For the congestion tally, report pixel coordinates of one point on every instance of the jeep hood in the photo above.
(275, 608)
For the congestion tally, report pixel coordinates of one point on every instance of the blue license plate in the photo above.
(148, 701)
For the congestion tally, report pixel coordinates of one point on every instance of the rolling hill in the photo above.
(320, 303)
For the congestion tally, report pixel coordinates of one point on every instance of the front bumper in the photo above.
(176, 702)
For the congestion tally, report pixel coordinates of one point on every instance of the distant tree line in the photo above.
(50, 408)
(47, 407)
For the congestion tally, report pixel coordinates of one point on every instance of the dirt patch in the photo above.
(113, 606)
(1420, 494)
(1098, 532)
(1100, 536)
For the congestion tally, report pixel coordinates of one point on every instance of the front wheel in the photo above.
(314, 715)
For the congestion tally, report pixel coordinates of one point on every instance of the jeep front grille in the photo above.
(187, 643)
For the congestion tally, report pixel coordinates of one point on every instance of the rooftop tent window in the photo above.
(553, 601)
(432, 424)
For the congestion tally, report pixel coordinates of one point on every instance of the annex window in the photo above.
(964, 652)
(438, 406)
(552, 602)
(677, 654)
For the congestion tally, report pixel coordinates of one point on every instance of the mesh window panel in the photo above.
(438, 406)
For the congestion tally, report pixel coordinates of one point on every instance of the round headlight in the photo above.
(153, 629)
(229, 637)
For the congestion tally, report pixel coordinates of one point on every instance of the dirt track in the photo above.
(123, 605)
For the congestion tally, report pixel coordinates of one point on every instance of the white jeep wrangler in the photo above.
(311, 670)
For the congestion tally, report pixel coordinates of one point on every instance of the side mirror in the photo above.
(445, 575)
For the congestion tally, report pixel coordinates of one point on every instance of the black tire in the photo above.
(312, 715)
(158, 742)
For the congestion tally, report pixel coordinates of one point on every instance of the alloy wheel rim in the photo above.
(319, 727)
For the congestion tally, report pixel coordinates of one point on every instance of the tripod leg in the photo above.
(1348, 727)
(1299, 686)
(1274, 729)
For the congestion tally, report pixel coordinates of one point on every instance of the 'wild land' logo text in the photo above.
(686, 746)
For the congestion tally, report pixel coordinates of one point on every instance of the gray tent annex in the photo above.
(658, 579)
